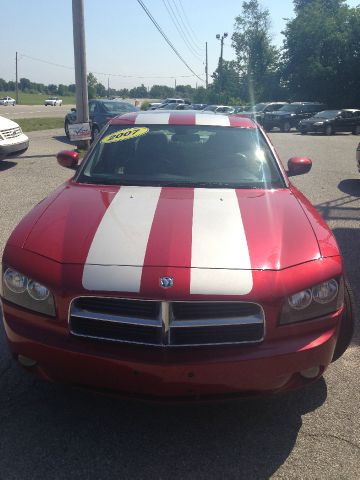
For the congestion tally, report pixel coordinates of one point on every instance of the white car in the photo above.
(53, 101)
(8, 101)
(12, 140)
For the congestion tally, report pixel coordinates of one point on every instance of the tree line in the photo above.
(319, 60)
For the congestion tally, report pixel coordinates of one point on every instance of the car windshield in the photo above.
(210, 108)
(289, 108)
(180, 155)
(327, 114)
(118, 107)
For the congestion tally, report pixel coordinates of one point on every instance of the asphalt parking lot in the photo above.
(54, 431)
(31, 111)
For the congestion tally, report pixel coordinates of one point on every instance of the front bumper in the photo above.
(12, 146)
(270, 367)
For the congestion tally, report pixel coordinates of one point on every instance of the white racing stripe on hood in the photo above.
(116, 255)
(220, 258)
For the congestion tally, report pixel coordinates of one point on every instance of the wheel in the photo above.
(66, 128)
(356, 130)
(94, 133)
(285, 127)
(346, 328)
(303, 132)
(328, 130)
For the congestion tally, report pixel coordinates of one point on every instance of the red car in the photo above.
(178, 262)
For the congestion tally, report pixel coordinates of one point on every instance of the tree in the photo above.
(321, 53)
(230, 82)
(100, 90)
(256, 57)
(92, 82)
(52, 89)
(139, 92)
(25, 84)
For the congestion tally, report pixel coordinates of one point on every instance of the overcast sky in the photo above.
(122, 44)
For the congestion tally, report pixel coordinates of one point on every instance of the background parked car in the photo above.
(12, 140)
(8, 101)
(289, 116)
(53, 101)
(219, 109)
(358, 157)
(100, 112)
(257, 112)
(332, 121)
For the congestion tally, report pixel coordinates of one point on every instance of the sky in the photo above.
(123, 47)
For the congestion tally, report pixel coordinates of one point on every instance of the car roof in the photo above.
(182, 117)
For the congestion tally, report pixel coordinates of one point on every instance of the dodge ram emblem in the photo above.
(166, 282)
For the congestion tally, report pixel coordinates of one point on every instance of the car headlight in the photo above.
(318, 124)
(321, 299)
(27, 293)
(1, 137)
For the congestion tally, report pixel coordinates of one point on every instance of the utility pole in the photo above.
(16, 79)
(82, 106)
(221, 38)
(108, 87)
(206, 66)
(175, 85)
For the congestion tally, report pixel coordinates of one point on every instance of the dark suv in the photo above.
(289, 116)
(257, 112)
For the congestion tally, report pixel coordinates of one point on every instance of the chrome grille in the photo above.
(172, 324)
(11, 133)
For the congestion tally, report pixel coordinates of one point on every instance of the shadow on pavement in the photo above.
(52, 431)
(64, 139)
(350, 186)
(6, 164)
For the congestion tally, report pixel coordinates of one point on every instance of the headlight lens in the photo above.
(325, 292)
(15, 281)
(300, 300)
(37, 291)
(21, 290)
(321, 299)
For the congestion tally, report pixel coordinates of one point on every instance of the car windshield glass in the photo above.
(179, 155)
(327, 114)
(210, 108)
(259, 107)
(289, 108)
(118, 107)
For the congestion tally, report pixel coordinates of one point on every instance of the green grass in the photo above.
(32, 124)
(36, 98)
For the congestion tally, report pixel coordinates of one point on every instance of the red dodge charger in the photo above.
(178, 262)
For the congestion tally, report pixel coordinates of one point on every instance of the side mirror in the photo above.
(299, 166)
(73, 109)
(68, 159)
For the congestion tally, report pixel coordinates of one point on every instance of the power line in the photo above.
(187, 21)
(179, 28)
(141, 3)
(190, 36)
(22, 55)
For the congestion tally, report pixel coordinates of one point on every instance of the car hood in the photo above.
(177, 227)
(280, 114)
(5, 123)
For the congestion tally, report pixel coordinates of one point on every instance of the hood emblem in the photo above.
(166, 282)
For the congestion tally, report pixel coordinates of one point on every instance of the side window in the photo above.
(92, 107)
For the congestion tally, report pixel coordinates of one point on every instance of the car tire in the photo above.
(328, 130)
(66, 128)
(285, 127)
(347, 323)
(303, 132)
(356, 130)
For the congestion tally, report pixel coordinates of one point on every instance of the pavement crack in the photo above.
(332, 435)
